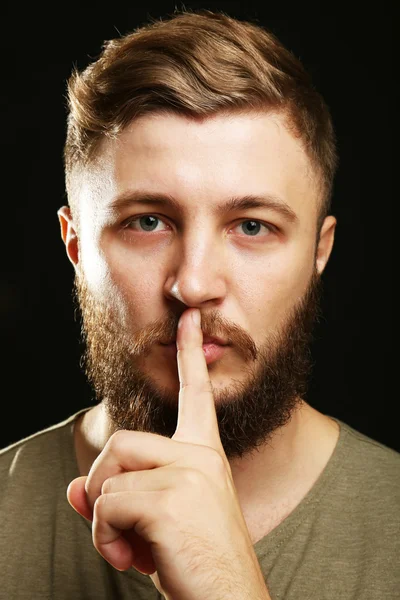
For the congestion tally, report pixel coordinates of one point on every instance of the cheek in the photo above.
(109, 277)
(95, 268)
(134, 275)
(133, 284)
(277, 287)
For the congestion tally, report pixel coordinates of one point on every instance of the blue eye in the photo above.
(147, 221)
(254, 227)
(149, 224)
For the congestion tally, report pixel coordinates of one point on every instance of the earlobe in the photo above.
(325, 244)
(69, 234)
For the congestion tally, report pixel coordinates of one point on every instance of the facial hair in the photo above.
(249, 411)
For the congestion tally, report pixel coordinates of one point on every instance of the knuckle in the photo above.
(107, 486)
(117, 441)
(209, 459)
(200, 387)
(100, 506)
(192, 477)
(167, 509)
(216, 462)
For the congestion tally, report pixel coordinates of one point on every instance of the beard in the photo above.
(249, 411)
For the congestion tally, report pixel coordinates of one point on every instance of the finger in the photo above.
(129, 451)
(77, 497)
(143, 560)
(123, 512)
(197, 418)
(161, 479)
(148, 480)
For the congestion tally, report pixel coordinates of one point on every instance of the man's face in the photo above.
(251, 271)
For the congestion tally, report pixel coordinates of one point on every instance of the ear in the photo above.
(325, 244)
(69, 234)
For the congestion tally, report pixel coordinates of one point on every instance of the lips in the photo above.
(212, 352)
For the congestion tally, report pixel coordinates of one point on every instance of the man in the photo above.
(199, 166)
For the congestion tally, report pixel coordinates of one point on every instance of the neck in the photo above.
(284, 468)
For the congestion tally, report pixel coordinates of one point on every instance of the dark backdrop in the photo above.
(348, 51)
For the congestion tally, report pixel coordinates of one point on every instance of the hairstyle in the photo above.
(196, 64)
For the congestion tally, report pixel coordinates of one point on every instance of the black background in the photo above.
(348, 51)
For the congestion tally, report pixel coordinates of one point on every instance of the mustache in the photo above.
(118, 336)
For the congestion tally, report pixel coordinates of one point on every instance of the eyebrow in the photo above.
(235, 203)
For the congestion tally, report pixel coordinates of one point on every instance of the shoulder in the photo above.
(367, 471)
(31, 454)
(366, 451)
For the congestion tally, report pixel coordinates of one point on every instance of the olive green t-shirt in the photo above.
(341, 542)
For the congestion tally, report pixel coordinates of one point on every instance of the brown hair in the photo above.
(196, 64)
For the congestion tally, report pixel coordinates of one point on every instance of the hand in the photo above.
(169, 507)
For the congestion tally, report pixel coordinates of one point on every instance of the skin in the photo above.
(207, 262)
(148, 488)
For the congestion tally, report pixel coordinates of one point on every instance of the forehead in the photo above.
(201, 163)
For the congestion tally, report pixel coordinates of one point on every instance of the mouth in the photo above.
(212, 351)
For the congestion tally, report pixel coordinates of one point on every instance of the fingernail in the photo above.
(196, 317)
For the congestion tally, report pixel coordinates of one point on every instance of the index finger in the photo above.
(197, 417)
